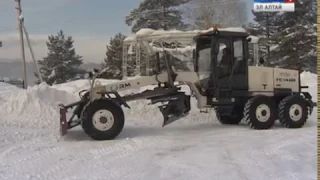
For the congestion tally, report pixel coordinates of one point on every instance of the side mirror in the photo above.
(261, 61)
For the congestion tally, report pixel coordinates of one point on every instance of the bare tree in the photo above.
(203, 14)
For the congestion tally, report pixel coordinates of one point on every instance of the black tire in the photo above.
(299, 112)
(231, 119)
(106, 106)
(254, 117)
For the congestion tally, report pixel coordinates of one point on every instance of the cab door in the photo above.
(239, 74)
(235, 78)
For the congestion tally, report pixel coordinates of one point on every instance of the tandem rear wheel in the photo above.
(293, 112)
(102, 119)
(261, 112)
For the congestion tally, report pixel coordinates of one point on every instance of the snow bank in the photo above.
(36, 107)
(310, 79)
(5, 87)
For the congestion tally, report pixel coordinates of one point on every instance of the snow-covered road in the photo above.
(198, 151)
(196, 147)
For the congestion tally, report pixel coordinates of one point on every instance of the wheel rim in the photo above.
(103, 120)
(295, 112)
(263, 113)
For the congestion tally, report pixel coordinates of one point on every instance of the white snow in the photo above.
(173, 35)
(144, 32)
(195, 147)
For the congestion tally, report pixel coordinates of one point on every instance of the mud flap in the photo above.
(63, 121)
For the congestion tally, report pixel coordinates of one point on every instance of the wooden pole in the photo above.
(23, 57)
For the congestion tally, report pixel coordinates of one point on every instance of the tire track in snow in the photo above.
(30, 161)
(179, 144)
(25, 154)
(123, 167)
(159, 140)
(276, 147)
(121, 148)
(31, 156)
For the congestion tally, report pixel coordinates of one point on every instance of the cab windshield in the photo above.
(203, 52)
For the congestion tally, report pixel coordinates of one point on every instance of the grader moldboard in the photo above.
(236, 90)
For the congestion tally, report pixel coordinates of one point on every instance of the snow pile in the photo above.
(5, 87)
(310, 79)
(36, 107)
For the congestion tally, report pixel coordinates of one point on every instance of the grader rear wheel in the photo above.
(293, 112)
(260, 112)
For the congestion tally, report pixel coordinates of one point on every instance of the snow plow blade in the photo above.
(65, 124)
(63, 121)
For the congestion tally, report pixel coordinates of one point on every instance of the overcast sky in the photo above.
(91, 23)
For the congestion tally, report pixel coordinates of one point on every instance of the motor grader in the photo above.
(236, 90)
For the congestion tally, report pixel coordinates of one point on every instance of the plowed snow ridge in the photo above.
(36, 107)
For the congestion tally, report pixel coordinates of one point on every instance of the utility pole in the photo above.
(31, 51)
(20, 19)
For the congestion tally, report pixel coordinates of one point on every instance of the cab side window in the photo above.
(238, 61)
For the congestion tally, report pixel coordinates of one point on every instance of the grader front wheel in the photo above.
(102, 120)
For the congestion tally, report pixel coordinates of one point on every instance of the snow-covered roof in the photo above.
(173, 35)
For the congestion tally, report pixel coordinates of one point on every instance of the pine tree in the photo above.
(62, 64)
(297, 37)
(264, 26)
(113, 62)
(157, 14)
